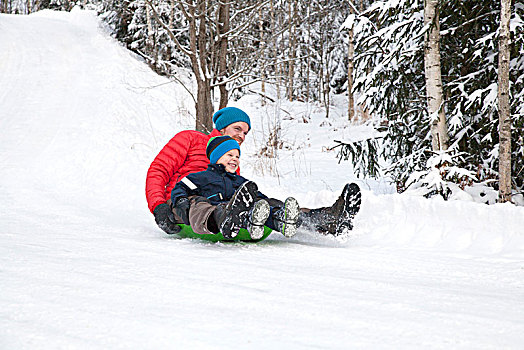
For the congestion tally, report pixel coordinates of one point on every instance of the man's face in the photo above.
(237, 131)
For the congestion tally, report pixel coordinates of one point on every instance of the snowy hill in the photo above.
(83, 264)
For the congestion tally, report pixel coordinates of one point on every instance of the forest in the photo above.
(442, 82)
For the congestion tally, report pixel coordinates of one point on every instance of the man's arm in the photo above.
(164, 167)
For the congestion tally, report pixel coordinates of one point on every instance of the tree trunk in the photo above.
(320, 69)
(150, 40)
(504, 107)
(223, 28)
(204, 106)
(276, 64)
(170, 24)
(351, 53)
(292, 49)
(171, 15)
(263, 45)
(327, 88)
(439, 131)
(308, 57)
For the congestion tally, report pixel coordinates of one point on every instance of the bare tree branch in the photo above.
(166, 28)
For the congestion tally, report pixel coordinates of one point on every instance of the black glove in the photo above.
(182, 209)
(165, 219)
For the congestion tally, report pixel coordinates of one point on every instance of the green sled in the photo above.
(243, 236)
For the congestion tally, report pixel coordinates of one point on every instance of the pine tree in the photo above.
(389, 67)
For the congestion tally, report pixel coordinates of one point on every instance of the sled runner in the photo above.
(243, 236)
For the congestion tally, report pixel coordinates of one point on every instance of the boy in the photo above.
(223, 201)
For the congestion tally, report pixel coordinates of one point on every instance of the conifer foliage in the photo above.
(389, 76)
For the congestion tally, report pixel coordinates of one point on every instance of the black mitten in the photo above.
(165, 219)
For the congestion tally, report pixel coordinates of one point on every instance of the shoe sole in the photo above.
(259, 215)
(291, 210)
(242, 200)
(352, 200)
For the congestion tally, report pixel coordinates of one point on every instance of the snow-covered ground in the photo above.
(83, 265)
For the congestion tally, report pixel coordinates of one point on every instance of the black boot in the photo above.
(233, 216)
(213, 223)
(286, 218)
(346, 207)
(338, 218)
(257, 218)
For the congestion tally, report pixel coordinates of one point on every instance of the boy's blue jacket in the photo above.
(215, 183)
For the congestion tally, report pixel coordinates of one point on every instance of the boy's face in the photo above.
(231, 160)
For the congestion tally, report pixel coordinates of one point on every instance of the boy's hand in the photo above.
(182, 209)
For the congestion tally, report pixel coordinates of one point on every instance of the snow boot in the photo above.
(257, 218)
(286, 218)
(233, 216)
(346, 207)
(337, 218)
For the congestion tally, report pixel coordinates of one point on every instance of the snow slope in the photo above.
(82, 264)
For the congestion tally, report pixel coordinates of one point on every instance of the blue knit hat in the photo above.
(220, 145)
(229, 115)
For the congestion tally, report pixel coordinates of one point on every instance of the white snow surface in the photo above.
(83, 265)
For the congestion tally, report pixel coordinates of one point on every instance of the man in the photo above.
(185, 153)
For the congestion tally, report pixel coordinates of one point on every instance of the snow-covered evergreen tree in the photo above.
(389, 76)
(25, 7)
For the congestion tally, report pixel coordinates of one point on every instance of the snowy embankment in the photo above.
(84, 266)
